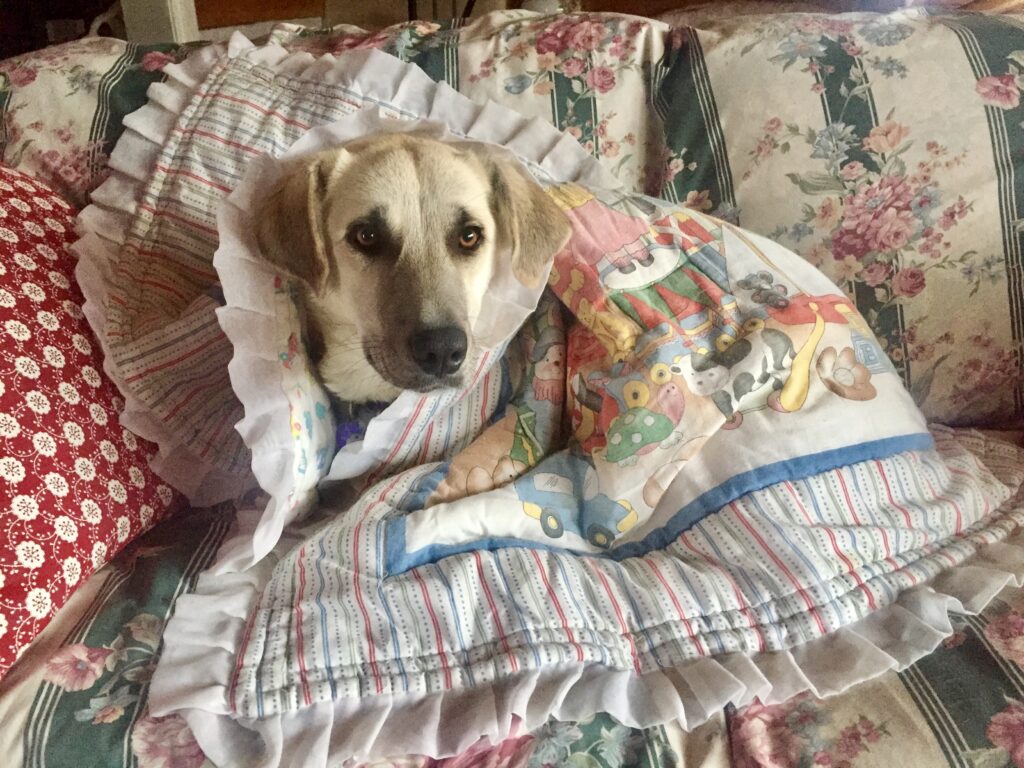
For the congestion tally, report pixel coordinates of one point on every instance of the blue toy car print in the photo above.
(561, 492)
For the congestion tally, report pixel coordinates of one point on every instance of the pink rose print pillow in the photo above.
(75, 487)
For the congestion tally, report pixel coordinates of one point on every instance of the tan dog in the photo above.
(395, 239)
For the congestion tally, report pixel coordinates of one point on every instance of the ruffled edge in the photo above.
(103, 227)
(195, 674)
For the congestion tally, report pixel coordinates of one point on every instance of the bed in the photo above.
(684, 113)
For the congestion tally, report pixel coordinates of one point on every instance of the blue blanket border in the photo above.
(398, 560)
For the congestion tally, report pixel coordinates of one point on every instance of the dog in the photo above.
(393, 240)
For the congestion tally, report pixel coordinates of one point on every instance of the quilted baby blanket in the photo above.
(683, 473)
(677, 364)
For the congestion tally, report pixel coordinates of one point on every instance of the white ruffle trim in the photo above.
(196, 670)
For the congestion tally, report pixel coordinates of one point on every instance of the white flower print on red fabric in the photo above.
(18, 330)
(45, 444)
(24, 508)
(99, 554)
(9, 426)
(27, 367)
(48, 320)
(38, 603)
(75, 486)
(84, 468)
(68, 392)
(38, 402)
(91, 511)
(12, 470)
(30, 554)
(72, 571)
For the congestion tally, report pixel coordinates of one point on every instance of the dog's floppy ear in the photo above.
(291, 227)
(529, 221)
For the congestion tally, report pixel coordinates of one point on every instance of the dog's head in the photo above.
(396, 239)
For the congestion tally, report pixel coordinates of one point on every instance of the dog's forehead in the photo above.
(402, 176)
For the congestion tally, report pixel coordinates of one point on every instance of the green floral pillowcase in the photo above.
(61, 108)
(890, 166)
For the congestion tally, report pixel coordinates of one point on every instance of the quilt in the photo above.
(684, 473)
(687, 452)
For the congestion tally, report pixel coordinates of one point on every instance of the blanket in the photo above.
(686, 452)
(693, 447)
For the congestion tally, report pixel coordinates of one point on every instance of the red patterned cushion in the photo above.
(74, 486)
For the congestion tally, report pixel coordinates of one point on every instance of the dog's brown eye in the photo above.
(365, 236)
(470, 238)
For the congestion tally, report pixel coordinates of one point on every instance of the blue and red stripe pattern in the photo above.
(768, 572)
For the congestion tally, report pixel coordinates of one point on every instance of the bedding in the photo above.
(74, 486)
(768, 736)
(698, 293)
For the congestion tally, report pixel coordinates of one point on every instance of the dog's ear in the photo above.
(291, 226)
(529, 221)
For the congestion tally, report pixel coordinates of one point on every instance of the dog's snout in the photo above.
(439, 351)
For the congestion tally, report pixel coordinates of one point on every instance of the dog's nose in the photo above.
(439, 351)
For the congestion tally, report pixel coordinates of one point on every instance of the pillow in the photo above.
(75, 486)
(61, 107)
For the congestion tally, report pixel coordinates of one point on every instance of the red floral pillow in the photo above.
(74, 486)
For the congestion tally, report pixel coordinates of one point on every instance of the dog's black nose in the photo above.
(439, 351)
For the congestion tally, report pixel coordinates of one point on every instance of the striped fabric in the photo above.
(773, 570)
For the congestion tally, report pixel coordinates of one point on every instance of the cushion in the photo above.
(75, 487)
(62, 107)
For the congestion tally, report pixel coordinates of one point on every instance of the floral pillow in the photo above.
(61, 108)
(74, 486)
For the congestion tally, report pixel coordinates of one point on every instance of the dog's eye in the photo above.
(470, 238)
(364, 236)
